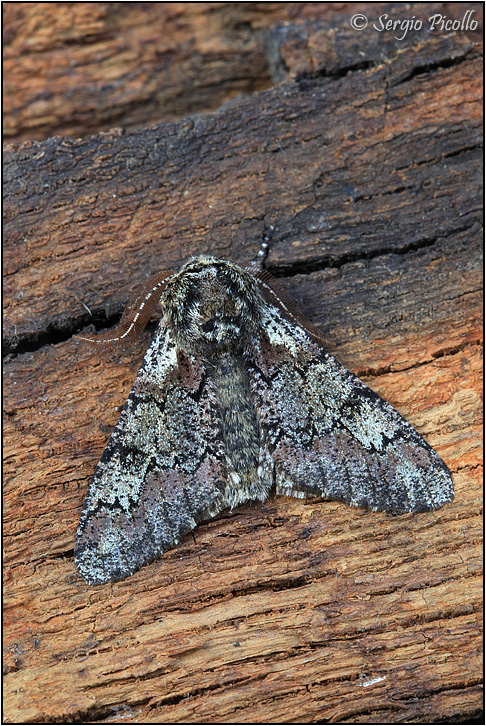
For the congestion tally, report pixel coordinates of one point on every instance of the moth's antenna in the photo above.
(275, 294)
(136, 315)
(258, 264)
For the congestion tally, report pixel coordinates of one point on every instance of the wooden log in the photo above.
(291, 610)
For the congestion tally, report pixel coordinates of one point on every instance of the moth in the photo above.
(235, 396)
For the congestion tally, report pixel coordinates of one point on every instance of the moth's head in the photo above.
(212, 306)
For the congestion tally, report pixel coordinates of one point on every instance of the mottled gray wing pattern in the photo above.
(163, 470)
(332, 436)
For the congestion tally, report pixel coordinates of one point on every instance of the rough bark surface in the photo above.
(288, 611)
(78, 68)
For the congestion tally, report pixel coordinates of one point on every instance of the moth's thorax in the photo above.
(212, 306)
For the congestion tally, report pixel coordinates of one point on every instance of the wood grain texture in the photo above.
(76, 68)
(287, 611)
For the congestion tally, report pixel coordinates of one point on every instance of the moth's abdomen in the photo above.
(250, 465)
(241, 433)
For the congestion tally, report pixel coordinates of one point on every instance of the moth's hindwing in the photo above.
(332, 436)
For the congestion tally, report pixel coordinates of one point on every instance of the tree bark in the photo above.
(367, 161)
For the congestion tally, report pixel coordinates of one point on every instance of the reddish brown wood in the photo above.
(75, 68)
